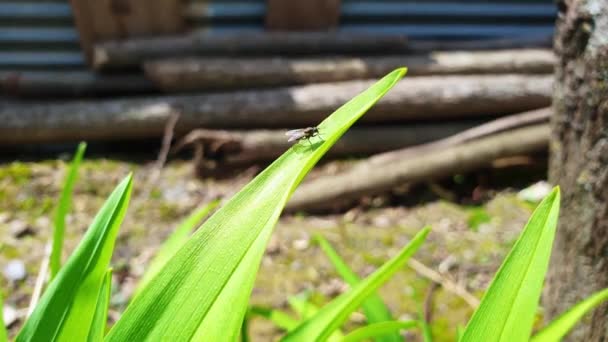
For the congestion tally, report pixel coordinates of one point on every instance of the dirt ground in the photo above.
(466, 245)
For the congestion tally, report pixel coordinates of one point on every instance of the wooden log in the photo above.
(235, 148)
(534, 42)
(135, 51)
(427, 98)
(331, 191)
(72, 83)
(188, 74)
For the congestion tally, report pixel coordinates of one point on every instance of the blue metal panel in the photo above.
(35, 10)
(37, 33)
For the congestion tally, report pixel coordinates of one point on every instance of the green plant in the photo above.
(65, 202)
(201, 291)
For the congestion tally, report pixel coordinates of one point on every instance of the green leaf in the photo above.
(216, 268)
(304, 308)
(507, 310)
(332, 315)
(3, 333)
(65, 311)
(173, 243)
(559, 327)
(379, 329)
(279, 318)
(65, 202)
(100, 318)
(374, 309)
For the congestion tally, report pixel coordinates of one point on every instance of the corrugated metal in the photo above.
(40, 34)
(455, 19)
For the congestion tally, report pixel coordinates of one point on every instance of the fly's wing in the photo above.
(294, 134)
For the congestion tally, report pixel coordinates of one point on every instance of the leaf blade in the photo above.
(70, 300)
(559, 327)
(100, 318)
(332, 315)
(507, 310)
(379, 329)
(65, 202)
(213, 255)
(177, 239)
(374, 309)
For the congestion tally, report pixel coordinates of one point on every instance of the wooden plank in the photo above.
(101, 20)
(290, 15)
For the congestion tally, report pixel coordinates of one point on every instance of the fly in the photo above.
(302, 133)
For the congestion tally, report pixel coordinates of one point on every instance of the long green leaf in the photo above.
(306, 310)
(100, 318)
(379, 329)
(216, 268)
(65, 202)
(374, 309)
(507, 310)
(559, 327)
(279, 318)
(173, 243)
(332, 315)
(3, 332)
(65, 311)
(302, 306)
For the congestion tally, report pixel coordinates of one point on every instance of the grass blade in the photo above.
(507, 310)
(65, 202)
(173, 243)
(216, 268)
(100, 318)
(67, 307)
(302, 306)
(3, 332)
(376, 330)
(279, 318)
(332, 315)
(559, 327)
(374, 309)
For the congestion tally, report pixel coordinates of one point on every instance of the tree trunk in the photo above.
(187, 74)
(427, 98)
(579, 163)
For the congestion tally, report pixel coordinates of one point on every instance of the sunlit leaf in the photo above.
(217, 267)
(100, 318)
(506, 312)
(3, 333)
(65, 311)
(376, 330)
(173, 243)
(332, 315)
(374, 309)
(560, 327)
(65, 202)
(279, 318)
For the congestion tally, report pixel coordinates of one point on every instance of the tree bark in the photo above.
(133, 52)
(428, 98)
(372, 178)
(579, 163)
(187, 74)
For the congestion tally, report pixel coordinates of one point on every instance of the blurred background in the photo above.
(195, 96)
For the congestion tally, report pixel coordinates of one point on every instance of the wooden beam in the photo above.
(289, 15)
